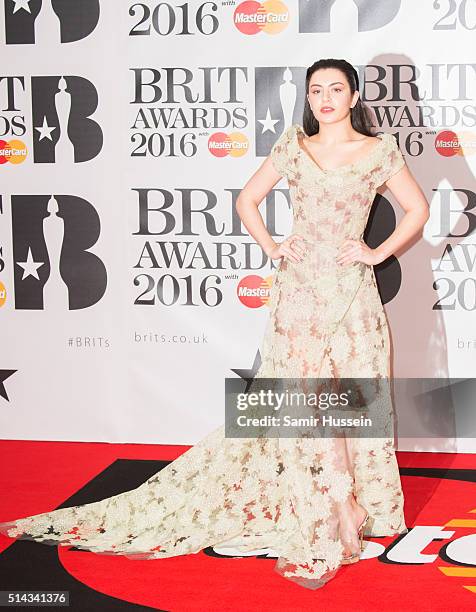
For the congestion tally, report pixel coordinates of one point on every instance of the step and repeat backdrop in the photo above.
(129, 288)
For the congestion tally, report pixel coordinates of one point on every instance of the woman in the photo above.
(306, 499)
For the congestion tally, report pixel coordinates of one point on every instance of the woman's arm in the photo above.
(412, 199)
(247, 203)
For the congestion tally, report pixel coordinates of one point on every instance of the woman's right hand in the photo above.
(289, 249)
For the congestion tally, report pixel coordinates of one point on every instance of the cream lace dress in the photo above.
(279, 493)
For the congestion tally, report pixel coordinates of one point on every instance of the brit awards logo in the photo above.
(164, 105)
(63, 129)
(61, 110)
(315, 17)
(39, 21)
(277, 92)
(53, 267)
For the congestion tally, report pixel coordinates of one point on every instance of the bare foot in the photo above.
(351, 515)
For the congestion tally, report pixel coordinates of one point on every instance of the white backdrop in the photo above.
(121, 257)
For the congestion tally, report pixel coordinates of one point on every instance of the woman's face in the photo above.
(328, 87)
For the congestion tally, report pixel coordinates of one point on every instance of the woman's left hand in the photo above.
(357, 250)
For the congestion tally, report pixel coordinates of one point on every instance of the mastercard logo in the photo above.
(448, 143)
(234, 144)
(253, 291)
(251, 17)
(3, 294)
(13, 151)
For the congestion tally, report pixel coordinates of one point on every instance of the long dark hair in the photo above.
(360, 117)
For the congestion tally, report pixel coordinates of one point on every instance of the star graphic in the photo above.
(4, 374)
(45, 130)
(30, 266)
(268, 123)
(248, 375)
(22, 4)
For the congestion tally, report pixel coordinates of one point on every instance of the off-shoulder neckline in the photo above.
(365, 158)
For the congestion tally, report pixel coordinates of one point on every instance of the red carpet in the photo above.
(431, 568)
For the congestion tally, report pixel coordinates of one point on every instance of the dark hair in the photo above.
(359, 115)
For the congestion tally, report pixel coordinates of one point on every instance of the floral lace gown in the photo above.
(277, 493)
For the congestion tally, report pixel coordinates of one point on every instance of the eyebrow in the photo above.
(336, 83)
